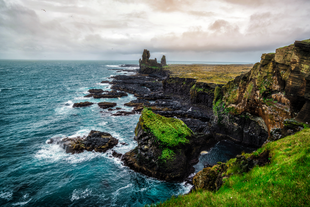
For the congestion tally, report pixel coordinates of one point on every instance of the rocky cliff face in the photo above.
(276, 89)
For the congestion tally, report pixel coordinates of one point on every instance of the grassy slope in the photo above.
(219, 74)
(283, 182)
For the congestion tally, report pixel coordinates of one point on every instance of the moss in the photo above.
(170, 132)
(218, 95)
(249, 89)
(167, 154)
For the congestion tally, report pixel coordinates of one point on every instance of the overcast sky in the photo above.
(202, 30)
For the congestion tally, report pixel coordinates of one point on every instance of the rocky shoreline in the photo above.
(181, 117)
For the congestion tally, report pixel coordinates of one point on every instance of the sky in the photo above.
(183, 30)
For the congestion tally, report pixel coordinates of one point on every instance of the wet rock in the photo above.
(95, 91)
(105, 82)
(96, 140)
(82, 104)
(124, 113)
(116, 154)
(105, 105)
(111, 94)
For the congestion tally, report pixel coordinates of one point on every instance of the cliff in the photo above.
(276, 89)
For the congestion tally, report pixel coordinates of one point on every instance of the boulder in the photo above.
(105, 105)
(82, 104)
(96, 140)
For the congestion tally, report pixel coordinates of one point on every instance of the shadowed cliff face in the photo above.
(275, 89)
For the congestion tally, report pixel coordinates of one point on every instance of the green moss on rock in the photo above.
(170, 132)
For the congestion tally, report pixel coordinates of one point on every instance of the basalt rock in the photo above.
(150, 66)
(161, 155)
(96, 140)
(82, 104)
(105, 105)
(95, 91)
(111, 94)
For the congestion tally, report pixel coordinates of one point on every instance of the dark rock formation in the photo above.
(105, 105)
(95, 91)
(163, 61)
(111, 94)
(96, 140)
(124, 113)
(150, 66)
(159, 153)
(82, 104)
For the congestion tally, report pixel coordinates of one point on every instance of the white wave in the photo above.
(21, 203)
(113, 66)
(81, 133)
(185, 188)
(103, 123)
(6, 195)
(77, 194)
(64, 109)
(116, 193)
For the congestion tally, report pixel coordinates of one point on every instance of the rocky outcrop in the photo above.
(276, 89)
(150, 66)
(167, 148)
(82, 104)
(96, 140)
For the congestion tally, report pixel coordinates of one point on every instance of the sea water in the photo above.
(36, 99)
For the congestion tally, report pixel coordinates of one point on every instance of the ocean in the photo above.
(36, 99)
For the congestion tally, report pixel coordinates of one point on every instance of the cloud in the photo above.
(123, 28)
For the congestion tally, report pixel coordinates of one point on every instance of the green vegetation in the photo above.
(283, 182)
(306, 41)
(167, 154)
(169, 131)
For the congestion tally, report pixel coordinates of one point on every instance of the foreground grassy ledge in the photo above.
(285, 181)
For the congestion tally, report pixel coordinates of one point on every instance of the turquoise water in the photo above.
(36, 99)
(35, 105)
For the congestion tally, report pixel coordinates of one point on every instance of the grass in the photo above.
(283, 182)
(219, 74)
(170, 132)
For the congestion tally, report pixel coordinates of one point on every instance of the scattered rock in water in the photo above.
(116, 154)
(111, 94)
(82, 104)
(96, 140)
(105, 82)
(124, 143)
(105, 105)
(95, 91)
(123, 113)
